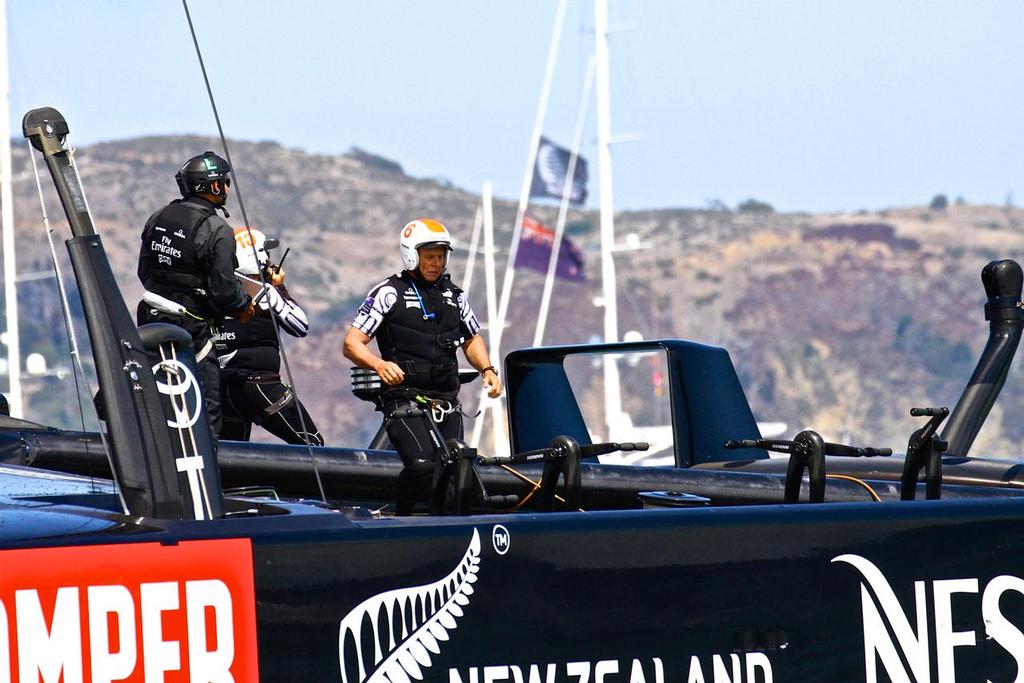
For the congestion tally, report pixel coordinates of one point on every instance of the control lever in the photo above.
(561, 458)
(610, 447)
(806, 452)
(830, 448)
(559, 452)
(924, 451)
(567, 465)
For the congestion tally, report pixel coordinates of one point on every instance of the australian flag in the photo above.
(535, 244)
(550, 170)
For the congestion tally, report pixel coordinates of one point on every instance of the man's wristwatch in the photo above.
(491, 368)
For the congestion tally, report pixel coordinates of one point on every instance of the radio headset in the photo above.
(427, 315)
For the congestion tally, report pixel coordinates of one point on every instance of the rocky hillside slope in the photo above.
(840, 322)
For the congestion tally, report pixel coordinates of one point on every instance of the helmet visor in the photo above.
(431, 245)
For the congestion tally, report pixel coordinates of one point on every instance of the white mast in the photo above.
(612, 396)
(7, 221)
(524, 193)
(467, 281)
(487, 405)
(570, 173)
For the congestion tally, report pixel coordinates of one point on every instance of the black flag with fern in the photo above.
(551, 169)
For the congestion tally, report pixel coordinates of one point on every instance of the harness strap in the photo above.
(280, 403)
(165, 305)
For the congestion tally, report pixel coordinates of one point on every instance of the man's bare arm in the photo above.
(356, 348)
(476, 353)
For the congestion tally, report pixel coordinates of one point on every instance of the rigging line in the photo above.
(874, 496)
(525, 499)
(245, 219)
(535, 484)
(69, 326)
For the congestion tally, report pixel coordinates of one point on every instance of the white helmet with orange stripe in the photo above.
(250, 250)
(422, 232)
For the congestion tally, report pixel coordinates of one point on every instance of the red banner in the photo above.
(129, 612)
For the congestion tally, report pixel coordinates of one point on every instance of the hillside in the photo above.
(840, 322)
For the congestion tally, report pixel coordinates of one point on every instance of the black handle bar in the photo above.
(787, 447)
(547, 454)
(928, 412)
(610, 447)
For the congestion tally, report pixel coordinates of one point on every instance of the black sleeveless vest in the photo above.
(254, 343)
(173, 268)
(424, 345)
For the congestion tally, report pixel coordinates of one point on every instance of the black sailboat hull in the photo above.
(777, 593)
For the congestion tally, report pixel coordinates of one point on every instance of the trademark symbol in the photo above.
(500, 539)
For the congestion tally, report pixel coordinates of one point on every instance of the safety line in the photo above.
(245, 219)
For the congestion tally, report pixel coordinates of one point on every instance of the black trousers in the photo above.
(269, 403)
(209, 378)
(417, 446)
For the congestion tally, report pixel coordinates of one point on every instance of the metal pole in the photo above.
(7, 219)
(612, 397)
(570, 172)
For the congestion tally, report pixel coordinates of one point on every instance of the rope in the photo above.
(245, 219)
(69, 327)
(861, 482)
(535, 484)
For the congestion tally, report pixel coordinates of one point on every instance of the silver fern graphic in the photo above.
(415, 620)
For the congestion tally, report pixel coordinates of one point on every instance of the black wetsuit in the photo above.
(188, 257)
(251, 386)
(420, 327)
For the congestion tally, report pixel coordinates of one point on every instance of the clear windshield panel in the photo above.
(640, 411)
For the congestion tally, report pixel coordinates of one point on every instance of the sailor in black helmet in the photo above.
(187, 265)
(420, 319)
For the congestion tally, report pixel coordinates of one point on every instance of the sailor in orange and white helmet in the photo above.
(420, 319)
(252, 391)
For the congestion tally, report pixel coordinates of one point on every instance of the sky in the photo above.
(809, 105)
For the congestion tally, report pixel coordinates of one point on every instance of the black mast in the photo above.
(161, 446)
(1003, 282)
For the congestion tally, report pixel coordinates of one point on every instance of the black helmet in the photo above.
(196, 176)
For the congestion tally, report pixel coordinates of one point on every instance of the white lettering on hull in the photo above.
(748, 667)
(51, 651)
(883, 612)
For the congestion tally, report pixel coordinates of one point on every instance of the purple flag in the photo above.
(535, 243)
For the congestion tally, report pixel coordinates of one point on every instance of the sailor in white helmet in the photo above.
(420, 319)
(249, 355)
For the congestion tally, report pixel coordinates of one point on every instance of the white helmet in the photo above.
(245, 240)
(422, 232)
